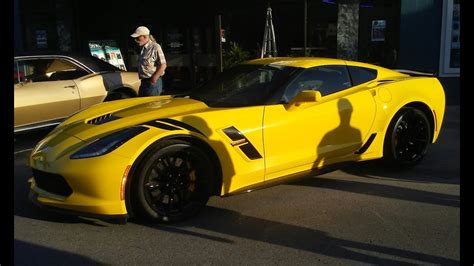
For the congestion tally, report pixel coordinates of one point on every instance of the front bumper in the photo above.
(38, 197)
(91, 187)
(120, 218)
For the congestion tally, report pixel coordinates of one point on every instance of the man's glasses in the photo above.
(137, 38)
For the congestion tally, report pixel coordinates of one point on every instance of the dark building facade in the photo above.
(409, 34)
(430, 41)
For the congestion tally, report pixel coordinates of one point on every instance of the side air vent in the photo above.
(102, 119)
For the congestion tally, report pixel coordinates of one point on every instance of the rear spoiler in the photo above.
(416, 73)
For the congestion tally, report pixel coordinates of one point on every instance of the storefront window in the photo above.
(450, 46)
(454, 61)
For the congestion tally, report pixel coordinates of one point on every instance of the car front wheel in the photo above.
(173, 181)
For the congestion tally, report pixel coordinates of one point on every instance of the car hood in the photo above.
(108, 117)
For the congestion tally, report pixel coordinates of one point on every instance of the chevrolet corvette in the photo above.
(258, 124)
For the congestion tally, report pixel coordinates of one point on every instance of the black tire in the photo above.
(116, 95)
(173, 182)
(408, 138)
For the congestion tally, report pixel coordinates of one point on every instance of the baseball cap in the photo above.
(142, 30)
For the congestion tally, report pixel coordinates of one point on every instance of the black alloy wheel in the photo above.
(408, 138)
(175, 181)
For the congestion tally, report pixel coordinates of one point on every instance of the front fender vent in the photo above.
(102, 119)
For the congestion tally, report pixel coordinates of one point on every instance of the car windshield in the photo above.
(245, 85)
(96, 64)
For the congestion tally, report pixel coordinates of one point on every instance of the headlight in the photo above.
(108, 143)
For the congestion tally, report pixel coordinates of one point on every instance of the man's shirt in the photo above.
(151, 58)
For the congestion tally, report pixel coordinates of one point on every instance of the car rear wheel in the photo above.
(408, 138)
(116, 95)
(173, 182)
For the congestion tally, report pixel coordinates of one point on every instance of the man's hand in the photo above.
(154, 78)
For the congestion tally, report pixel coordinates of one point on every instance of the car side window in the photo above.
(34, 70)
(361, 75)
(41, 70)
(61, 69)
(325, 79)
(18, 73)
(31, 70)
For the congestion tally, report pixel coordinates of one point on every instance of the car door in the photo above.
(299, 138)
(40, 96)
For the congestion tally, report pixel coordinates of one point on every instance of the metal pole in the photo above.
(269, 40)
(273, 38)
(305, 25)
(265, 38)
(219, 62)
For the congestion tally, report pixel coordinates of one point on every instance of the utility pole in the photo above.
(269, 42)
(218, 28)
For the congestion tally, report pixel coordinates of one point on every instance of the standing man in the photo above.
(151, 63)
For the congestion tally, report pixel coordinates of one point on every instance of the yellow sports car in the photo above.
(49, 88)
(257, 124)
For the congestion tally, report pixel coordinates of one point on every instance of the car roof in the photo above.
(47, 53)
(307, 62)
(92, 63)
(303, 62)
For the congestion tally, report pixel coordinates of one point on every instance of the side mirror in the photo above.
(306, 96)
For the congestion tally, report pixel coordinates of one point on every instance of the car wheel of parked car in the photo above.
(116, 95)
(408, 137)
(173, 181)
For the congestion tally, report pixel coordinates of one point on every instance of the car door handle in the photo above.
(70, 86)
